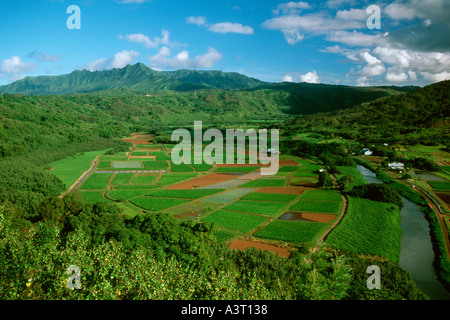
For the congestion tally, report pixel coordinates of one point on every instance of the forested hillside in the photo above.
(421, 116)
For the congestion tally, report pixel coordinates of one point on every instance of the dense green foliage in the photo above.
(420, 116)
(377, 192)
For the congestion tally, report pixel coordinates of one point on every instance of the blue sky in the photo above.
(299, 41)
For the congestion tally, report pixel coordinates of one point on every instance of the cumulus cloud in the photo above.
(228, 27)
(221, 27)
(396, 64)
(147, 42)
(288, 78)
(294, 27)
(399, 11)
(359, 39)
(182, 60)
(120, 60)
(310, 77)
(291, 7)
(14, 68)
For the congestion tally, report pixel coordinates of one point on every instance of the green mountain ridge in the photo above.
(420, 116)
(142, 79)
(137, 77)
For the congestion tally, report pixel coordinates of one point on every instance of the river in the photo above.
(416, 253)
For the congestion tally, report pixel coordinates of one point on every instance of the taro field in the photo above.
(286, 208)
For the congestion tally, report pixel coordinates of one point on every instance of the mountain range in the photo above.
(136, 77)
(140, 78)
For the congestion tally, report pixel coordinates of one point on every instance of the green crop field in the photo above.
(96, 181)
(292, 231)
(242, 222)
(143, 179)
(126, 194)
(316, 206)
(155, 165)
(201, 167)
(288, 168)
(122, 178)
(186, 194)
(358, 179)
(369, 227)
(102, 164)
(227, 196)
(138, 153)
(321, 195)
(155, 203)
(182, 167)
(93, 196)
(113, 158)
(160, 155)
(265, 183)
(308, 166)
(236, 169)
(304, 173)
(71, 168)
(439, 185)
(276, 197)
(168, 178)
(256, 207)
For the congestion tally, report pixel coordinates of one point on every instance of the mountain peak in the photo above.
(138, 77)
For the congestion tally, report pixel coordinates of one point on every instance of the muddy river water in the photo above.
(416, 254)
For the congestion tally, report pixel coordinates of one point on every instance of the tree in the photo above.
(345, 181)
(377, 192)
(325, 180)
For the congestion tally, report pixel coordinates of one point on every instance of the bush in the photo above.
(377, 192)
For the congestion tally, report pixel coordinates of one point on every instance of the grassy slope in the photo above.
(71, 168)
(369, 227)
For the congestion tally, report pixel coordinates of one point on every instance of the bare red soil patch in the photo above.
(445, 197)
(140, 139)
(283, 190)
(227, 165)
(288, 162)
(313, 217)
(244, 244)
(206, 180)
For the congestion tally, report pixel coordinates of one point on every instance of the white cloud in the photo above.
(436, 77)
(196, 20)
(288, 78)
(291, 7)
(120, 60)
(293, 27)
(229, 27)
(146, 41)
(182, 60)
(221, 27)
(398, 11)
(310, 77)
(356, 38)
(14, 68)
(352, 14)
(392, 76)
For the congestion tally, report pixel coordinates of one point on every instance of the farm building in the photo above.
(367, 152)
(396, 166)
